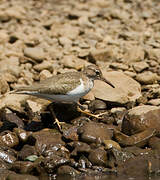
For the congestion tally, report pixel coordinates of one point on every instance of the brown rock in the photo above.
(93, 132)
(126, 89)
(98, 157)
(35, 53)
(147, 77)
(140, 66)
(141, 118)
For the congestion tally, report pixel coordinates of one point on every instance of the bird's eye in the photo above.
(97, 73)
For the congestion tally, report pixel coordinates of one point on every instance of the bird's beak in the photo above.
(108, 82)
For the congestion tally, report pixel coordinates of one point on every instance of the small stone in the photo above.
(67, 170)
(9, 139)
(98, 157)
(44, 74)
(118, 66)
(147, 77)
(34, 106)
(130, 74)
(141, 118)
(26, 151)
(45, 65)
(35, 53)
(140, 66)
(4, 87)
(100, 133)
(111, 144)
(154, 102)
(97, 105)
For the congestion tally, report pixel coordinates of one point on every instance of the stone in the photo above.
(45, 65)
(154, 102)
(100, 133)
(141, 118)
(35, 53)
(140, 66)
(4, 87)
(147, 77)
(126, 89)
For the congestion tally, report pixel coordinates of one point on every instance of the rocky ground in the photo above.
(42, 38)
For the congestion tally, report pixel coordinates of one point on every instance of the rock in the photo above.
(9, 139)
(98, 157)
(4, 87)
(26, 151)
(140, 66)
(67, 170)
(10, 65)
(48, 140)
(130, 74)
(102, 55)
(14, 119)
(141, 118)
(45, 65)
(126, 89)
(79, 147)
(154, 143)
(71, 133)
(118, 66)
(24, 167)
(21, 176)
(97, 105)
(72, 61)
(154, 102)
(50, 163)
(93, 132)
(7, 156)
(111, 144)
(35, 53)
(34, 106)
(147, 77)
(44, 74)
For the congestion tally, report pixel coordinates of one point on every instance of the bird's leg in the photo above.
(55, 118)
(98, 116)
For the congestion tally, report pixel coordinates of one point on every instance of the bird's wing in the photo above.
(59, 84)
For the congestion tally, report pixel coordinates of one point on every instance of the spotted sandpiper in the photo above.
(68, 87)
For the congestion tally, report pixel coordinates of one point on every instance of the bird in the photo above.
(67, 87)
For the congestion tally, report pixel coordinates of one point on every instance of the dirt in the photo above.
(48, 37)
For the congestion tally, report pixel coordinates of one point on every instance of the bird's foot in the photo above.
(59, 124)
(98, 116)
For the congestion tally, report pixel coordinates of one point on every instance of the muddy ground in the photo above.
(41, 38)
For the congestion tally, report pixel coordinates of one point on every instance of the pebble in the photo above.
(35, 53)
(140, 66)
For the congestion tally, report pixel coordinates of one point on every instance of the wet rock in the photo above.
(118, 114)
(26, 151)
(21, 176)
(111, 144)
(48, 141)
(94, 132)
(98, 157)
(154, 143)
(35, 53)
(14, 119)
(23, 167)
(7, 157)
(4, 165)
(97, 105)
(84, 163)
(126, 89)
(139, 139)
(140, 66)
(147, 77)
(22, 134)
(79, 147)
(67, 170)
(141, 118)
(71, 133)
(54, 161)
(9, 139)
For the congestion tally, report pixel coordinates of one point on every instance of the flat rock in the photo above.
(141, 118)
(126, 89)
(147, 77)
(35, 53)
(140, 66)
